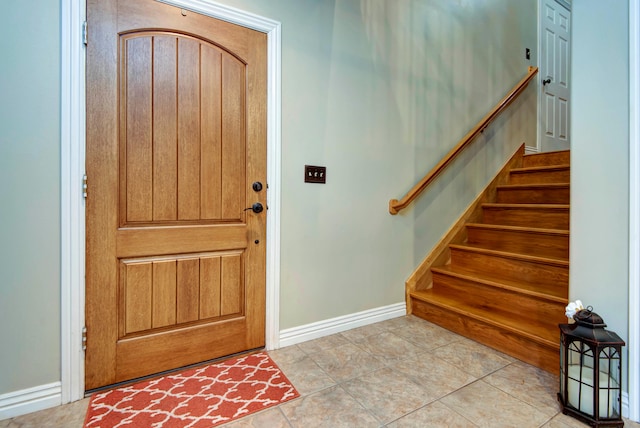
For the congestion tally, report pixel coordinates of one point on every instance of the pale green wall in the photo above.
(378, 91)
(600, 160)
(29, 195)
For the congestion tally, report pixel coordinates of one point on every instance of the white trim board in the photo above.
(538, 92)
(30, 400)
(72, 169)
(292, 336)
(530, 150)
(624, 404)
(72, 144)
(634, 214)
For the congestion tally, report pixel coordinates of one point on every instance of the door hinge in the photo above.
(84, 338)
(84, 186)
(85, 36)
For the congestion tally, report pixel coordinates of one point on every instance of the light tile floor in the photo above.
(404, 372)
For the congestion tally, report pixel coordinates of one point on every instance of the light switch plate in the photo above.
(315, 174)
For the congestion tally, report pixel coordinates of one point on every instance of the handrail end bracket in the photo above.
(392, 206)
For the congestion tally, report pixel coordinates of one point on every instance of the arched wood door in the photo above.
(176, 137)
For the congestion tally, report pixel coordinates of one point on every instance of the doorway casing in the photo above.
(72, 155)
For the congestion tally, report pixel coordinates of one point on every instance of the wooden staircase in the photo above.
(505, 284)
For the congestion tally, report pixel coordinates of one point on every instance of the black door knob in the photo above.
(257, 208)
(545, 81)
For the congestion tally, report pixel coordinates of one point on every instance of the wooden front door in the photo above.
(176, 139)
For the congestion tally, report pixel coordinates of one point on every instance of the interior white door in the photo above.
(555, 62)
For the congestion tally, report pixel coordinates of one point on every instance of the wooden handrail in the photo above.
(396, 206)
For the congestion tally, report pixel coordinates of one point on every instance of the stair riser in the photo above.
(487, 297)
(543, 245)
(538, 177)
(510, 269)
(547, 159)
(508, 342)
(537, 217)
(533, 196)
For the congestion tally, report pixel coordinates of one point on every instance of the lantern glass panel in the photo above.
(580, 377)
(609, 366)
(562, 366)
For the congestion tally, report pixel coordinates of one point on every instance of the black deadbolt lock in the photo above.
(257, 186)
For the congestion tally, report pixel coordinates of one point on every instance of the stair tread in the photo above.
(541, 168)
(553, 152)
(511, 255)
(527, 206)
(538, 290)
(523, 229)
(534, 186)
(530, 328)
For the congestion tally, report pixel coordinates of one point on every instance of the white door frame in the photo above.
(72, 167)
(634, 212)
(536, 149)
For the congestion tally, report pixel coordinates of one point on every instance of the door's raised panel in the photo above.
(563, 126)
(550, 102)
(563, 66)
(210, 280)
(179, 160)
(137, 280)
(232, 291)
(165, 128)
(188, 299)
(233, 129)
(138, 130)
(188, 129)
(163, 311)
(211, 135)
(162, 292)
(548, 55)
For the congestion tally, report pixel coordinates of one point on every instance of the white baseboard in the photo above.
(315, 330)
(30, 400)
(529, 150)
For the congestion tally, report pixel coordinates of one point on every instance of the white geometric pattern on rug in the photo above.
(200, 397)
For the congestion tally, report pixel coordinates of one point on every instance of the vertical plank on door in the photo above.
(188, 293)
(233, 137)
(164, 293)
(211, 119)
(137, 292)
(209, 287)
(232, 285)
(138, 129)
(188, 129)
(165, 154)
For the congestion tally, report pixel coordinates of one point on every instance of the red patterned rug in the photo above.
(196, 398)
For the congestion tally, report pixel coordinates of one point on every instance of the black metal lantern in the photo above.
(590, 371)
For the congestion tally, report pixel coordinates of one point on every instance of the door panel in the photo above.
(176, 134)
(180, 169)
(164, 292)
